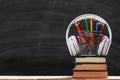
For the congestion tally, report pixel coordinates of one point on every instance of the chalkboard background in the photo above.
(32, 35)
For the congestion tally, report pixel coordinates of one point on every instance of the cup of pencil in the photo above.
(89, 42)
(89, 37)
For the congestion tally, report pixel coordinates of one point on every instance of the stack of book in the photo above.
(90, 67)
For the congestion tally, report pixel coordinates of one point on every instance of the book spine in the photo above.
(90, 67)
(90, 74)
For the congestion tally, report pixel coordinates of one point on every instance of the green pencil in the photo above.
(86, 24)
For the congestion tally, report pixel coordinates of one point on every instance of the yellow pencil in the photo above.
(91, 26)
(92, 34)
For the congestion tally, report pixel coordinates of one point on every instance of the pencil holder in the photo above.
(89, 42)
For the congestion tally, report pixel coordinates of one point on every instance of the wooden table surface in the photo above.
(50, 78)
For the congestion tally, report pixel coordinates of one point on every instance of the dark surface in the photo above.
(32, 34)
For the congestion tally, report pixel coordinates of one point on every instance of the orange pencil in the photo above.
(82, 34)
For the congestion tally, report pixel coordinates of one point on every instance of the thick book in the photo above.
(90, 74)
(90, 60)
(90, 67)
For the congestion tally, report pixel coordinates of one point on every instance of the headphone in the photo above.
(72, 41)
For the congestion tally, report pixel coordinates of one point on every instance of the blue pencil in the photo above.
(96, 27)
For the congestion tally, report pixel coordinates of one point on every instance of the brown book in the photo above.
(90, 74)
(89, 79)
(90, 67)
(90, 60)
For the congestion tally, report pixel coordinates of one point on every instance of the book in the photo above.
(90, 74)
(90, 67)
(90, 60)
(89, 79)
